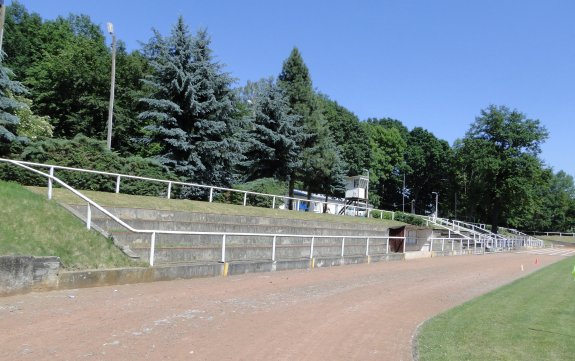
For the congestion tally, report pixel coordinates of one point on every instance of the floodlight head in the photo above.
(110, 28)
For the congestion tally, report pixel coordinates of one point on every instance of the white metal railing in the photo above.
(560, 234)
(210, 189)
(154, 232)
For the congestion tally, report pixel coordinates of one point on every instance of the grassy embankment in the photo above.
(565, 239)
(31, 225)
(530, 319)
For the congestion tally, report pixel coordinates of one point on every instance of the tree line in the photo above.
(178, 111)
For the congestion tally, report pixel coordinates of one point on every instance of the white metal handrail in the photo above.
(154, 232)
(170, 183)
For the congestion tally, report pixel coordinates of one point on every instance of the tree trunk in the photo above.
(325, 204)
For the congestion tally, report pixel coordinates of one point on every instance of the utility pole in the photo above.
(112, 86)
(403, 194)
(2, 15)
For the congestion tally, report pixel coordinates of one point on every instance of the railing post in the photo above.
(387, 245)
(311, 248)
(274, 202)
(297, 205)
(442, 244)
(89, 217)
(169, 189)
(404, 244)
(245, 198)
(223, 248)
(274, 248)
(211, 194)
(393, 216)
(367, 247)
(152, 248)
(431, 245)
(50, 182)
(381, 215)
(342, 246)
(118, 183)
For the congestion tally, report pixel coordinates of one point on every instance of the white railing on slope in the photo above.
(154, 232)
(211, 189)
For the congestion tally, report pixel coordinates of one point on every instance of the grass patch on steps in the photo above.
(33, 226)
(132, 201)
(529, 319)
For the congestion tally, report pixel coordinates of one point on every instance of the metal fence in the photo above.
(210, 190)
(154, 232)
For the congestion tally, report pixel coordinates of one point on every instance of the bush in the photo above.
(87, 153)
(409, 218)
(263, 185)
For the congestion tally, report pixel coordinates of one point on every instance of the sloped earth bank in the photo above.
(359, 312)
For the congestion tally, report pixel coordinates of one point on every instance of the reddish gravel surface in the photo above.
(358, 312)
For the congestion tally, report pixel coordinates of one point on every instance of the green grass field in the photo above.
(557, 238)
(31, 225)
(132, 201)
(530, 319)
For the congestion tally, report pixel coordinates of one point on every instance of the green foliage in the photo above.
(409, 218)
(498, 162)
(70, 83)
(191, 109)
(387, 149)
(428, 168)
(262, 185)
(274, 139)
(32, 126)
(349, 135)
(9, 105)
(87, 153)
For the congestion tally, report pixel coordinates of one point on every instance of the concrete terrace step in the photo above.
(127, 214)
(170, 248)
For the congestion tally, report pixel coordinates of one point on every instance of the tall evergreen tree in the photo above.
(9, 105)
(274, 138)
(296, 82)
(191, 108)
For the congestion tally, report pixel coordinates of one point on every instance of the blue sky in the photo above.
(433, 64)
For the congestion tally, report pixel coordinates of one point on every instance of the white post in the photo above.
(393, 216)
(152, 248)
(245, 198)
(89, 217)
(442, 244)
(297, 205)
(50, 182)
(387, 245)
(367, 247)
(211, 194)
(169, 189)
(431, 245)
(381, 215)
(118, 184)
(224, 248)
(342, 246)
(274, 202)
(311, 248)
(451, 245)
(404, 242)
(274, 249)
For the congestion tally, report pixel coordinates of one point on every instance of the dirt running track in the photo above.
(359, 312)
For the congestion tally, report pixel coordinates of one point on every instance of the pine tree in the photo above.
(8, 106)
(191, 109)
(274, 138)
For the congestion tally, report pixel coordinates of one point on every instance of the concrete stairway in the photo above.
(179, 248)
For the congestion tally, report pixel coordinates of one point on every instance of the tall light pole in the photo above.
(2, 14)
(367, 194)
(113, 83)
(436, 203)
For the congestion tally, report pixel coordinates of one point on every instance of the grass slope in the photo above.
(567, 239)
(530, 319)
(31, 225)
(132, 201)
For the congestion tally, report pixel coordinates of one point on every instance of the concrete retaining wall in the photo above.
(25, 274)
(20, 274)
